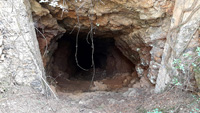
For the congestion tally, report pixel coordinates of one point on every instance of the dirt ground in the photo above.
(131, 100)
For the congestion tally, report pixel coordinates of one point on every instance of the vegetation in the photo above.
(186, 68)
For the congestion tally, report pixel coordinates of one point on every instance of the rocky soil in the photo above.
(133, 100)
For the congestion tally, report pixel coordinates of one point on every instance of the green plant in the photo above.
(176, 82)
(198, 51)
(178, 64)
(184, 67)
(197, 98)
(195, 110)
(156, 110)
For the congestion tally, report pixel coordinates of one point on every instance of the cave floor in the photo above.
(83, 85)
(132, 100)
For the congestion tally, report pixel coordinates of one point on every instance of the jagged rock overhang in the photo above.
(139, 33)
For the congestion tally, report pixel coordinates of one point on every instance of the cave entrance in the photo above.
(73, 71)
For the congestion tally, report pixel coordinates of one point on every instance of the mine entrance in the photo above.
(72, 68)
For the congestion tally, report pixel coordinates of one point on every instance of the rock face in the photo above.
(20, 60)
(138, 26)
(185, 41)
(47, 28)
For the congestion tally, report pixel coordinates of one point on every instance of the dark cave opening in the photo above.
(108, 59)
(84, 52)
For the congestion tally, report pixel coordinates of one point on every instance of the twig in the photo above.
(177, 27)
(81, 5)
(92, 41)
(46, 48)
(102, 2)
(76, 52)
(191, 7)
(87, 38)
(77, 35)
(188, 42)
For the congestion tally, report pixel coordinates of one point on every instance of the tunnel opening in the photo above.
(71, 69)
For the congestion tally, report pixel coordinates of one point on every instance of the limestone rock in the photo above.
(1, 40)
(38, 9)
(99, 86)
(21, 60)
(132, 92)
